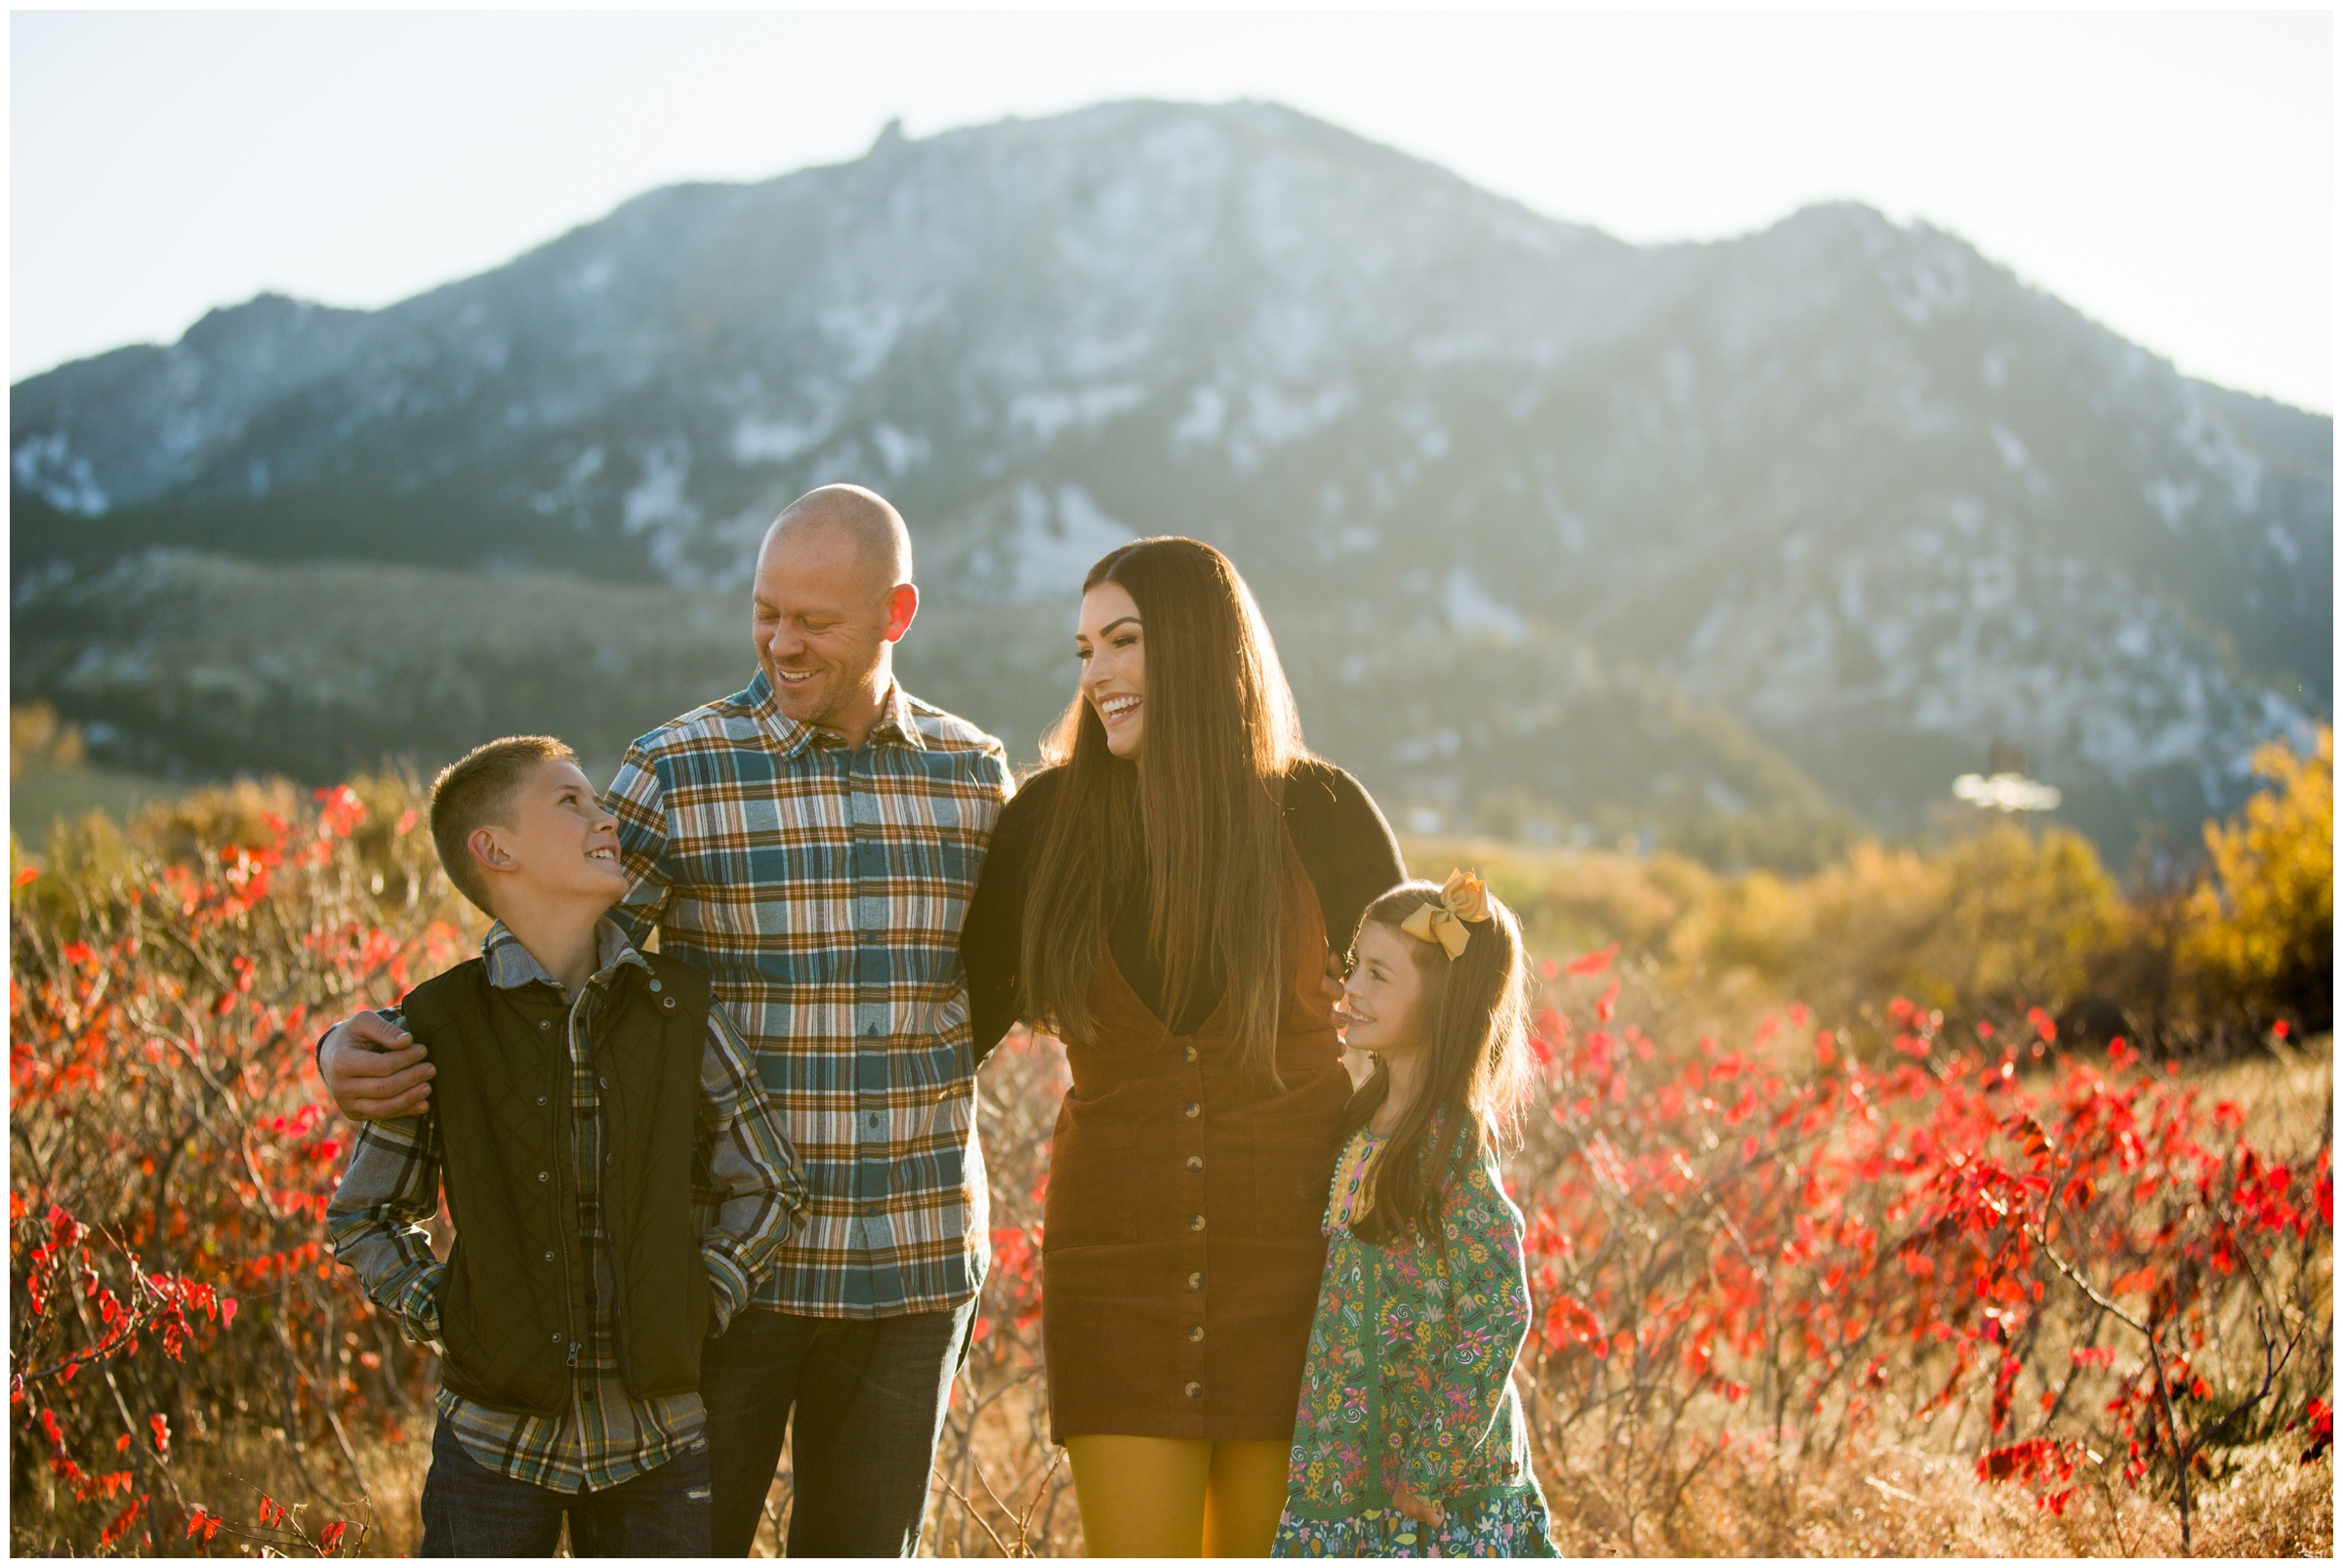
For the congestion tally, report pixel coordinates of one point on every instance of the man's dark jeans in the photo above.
(470, 1510)
(870, 1397)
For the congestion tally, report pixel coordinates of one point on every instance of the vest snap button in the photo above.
(1196, 1334)
(1195, 1160)
(545, 1023)
(1195, 1221)
(1196, 1282)
(545, 1176)
(655, 985)
(668, 1002)
(1193, 1108)
(540, 1099)
(1194, 1388)
(558, 1340)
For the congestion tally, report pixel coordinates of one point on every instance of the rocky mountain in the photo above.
(1733, 544)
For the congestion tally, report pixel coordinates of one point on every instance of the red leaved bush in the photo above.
(172, 1156)
(1818, 1240)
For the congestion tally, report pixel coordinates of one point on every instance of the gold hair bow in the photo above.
(1463, 899)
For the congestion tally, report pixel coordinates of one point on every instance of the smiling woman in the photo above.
(1169, 897)
(1114, 665)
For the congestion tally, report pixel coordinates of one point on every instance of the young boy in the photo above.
(617, 1181)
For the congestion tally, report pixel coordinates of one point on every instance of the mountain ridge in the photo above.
(1848, 480)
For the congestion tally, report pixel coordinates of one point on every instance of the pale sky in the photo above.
(2170, 174)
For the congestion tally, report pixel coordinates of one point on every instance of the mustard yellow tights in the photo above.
(1172, 1496)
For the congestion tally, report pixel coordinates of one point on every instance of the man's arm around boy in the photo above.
(747, 1193)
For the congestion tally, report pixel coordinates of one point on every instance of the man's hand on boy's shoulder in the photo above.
(373, 1069)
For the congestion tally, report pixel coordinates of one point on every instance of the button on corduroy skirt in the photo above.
(1181, 1249)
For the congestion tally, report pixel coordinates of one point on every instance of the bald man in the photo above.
(811, 844)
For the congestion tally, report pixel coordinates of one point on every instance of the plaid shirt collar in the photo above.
(791, 737)
(512, 966)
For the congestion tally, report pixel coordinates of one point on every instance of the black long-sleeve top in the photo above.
(1343, 840)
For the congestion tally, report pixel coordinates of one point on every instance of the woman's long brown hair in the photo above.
(1195, 819)
(1474, 1017)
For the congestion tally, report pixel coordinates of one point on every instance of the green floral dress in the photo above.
(1409, 1379)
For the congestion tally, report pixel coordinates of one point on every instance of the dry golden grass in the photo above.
(1893, 1503)
(2287, 1093)
(1896, 1503)
(2274, 1506)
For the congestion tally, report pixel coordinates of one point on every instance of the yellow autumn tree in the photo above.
(2265, 925)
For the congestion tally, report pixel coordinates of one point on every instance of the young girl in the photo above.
(1410, 1442)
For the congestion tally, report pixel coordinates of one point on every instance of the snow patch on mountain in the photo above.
(1045, 415)
(1470, 608)
(48, 467)
(899, 451)
(775, 440)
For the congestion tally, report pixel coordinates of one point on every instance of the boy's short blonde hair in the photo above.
(476, 792)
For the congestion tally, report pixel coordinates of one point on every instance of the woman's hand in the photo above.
(1432, 1516)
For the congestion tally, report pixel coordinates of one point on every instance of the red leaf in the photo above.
(122, 1523)
(1594, 962)
(2036, 1459)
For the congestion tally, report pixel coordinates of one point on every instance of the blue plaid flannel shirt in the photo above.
(821, 887)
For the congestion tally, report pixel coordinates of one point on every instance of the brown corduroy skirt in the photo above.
(1181, 1242)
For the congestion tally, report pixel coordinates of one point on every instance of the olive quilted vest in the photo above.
(513, 1309)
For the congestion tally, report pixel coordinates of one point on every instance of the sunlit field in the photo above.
(1848, 1234)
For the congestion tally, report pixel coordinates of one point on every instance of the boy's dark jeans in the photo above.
(870, 1397)
(470, 1510)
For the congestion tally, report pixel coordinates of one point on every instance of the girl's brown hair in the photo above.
(1195, 819)
(1475, 1019)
